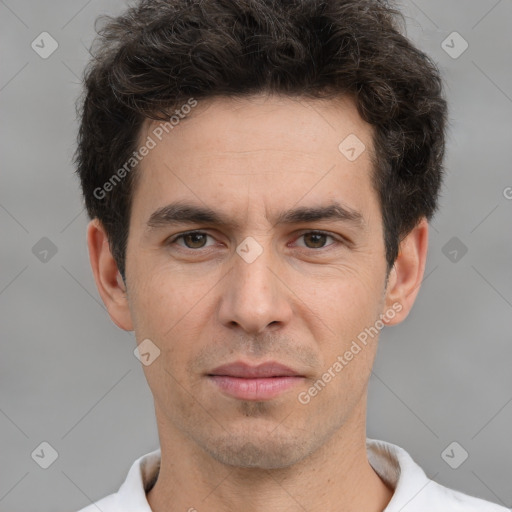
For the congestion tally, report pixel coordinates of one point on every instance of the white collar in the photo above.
(413, 490)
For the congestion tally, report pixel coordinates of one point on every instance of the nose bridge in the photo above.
(253, 297)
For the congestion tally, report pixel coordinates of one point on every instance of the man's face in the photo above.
(301, 302)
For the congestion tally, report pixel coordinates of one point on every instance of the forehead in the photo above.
(276, 151)
(215, 123)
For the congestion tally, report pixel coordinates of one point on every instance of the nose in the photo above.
(255, 297)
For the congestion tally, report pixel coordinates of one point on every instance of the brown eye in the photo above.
(315, 239)
(193, 240)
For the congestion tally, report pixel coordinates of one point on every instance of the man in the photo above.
(260, 175)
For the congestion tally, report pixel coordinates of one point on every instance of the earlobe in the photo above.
(407, 273)
(110, 285)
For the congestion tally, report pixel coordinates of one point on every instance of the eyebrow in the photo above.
(180, 212)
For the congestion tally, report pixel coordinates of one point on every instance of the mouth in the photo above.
(243, 370)
(263, 382)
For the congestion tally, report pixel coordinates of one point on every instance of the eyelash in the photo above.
(315, 232)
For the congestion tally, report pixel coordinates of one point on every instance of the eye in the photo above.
(192, 240)
(316, 239)
(195, 240)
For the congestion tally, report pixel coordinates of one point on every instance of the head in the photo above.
(308, 135)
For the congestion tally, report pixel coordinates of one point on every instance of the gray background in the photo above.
(68, 375)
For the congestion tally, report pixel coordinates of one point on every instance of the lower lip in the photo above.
(254, 389)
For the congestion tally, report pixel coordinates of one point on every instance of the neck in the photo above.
(336, 477)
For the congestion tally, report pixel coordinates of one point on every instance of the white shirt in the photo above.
(413, 490)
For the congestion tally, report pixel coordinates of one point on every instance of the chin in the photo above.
(258, 450)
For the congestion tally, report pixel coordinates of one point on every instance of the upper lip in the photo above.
(244, 370)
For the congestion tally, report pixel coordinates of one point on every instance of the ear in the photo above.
(406, 275)
(106, 274)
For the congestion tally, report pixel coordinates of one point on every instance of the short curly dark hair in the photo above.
(160, 53)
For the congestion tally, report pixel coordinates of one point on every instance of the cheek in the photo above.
(166, 299)
(348, 309)
(170, 311)
(347, 300)
(175, 311)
